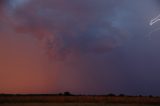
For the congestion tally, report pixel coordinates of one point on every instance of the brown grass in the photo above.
(71, 104)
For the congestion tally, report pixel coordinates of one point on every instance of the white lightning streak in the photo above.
(154, 20)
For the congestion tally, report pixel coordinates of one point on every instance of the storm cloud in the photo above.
(82, 46)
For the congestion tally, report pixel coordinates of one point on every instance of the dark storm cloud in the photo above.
(139, 56)
(94, 46)
(82, 22)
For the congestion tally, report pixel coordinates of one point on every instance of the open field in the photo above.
(72, 104)
(55, 100)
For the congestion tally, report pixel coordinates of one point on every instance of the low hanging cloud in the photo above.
(67, 25)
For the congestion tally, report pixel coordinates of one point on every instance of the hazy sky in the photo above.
(81, 46)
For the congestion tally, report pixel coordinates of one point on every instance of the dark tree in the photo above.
(67, 94)
(150, 96)
(111, 94)
(121, 95)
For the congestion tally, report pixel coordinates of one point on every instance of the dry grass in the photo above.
(79, 100)
(71, 104)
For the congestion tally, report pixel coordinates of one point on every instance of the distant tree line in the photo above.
(67, 93)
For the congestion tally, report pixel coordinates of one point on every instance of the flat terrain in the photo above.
(71, 104)
(53, 100)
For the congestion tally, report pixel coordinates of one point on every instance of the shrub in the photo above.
(67, 94)
(111, 94)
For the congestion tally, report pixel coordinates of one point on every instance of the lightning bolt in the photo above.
(154, 20)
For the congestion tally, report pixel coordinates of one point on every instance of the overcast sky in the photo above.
(81, 46)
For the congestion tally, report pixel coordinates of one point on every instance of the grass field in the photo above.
(52, 100)
(71, 104)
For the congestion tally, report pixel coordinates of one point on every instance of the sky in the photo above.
(81, 46)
